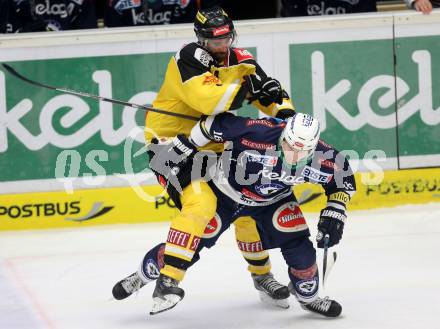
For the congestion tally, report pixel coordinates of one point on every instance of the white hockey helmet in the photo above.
(299, 138)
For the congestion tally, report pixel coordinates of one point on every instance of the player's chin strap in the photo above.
(327, 263)
(100, 98)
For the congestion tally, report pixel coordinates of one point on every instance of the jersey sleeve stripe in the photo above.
(221, 105)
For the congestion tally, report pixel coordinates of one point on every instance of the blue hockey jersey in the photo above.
(251, 170)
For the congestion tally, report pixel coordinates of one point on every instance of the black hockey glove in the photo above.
(267, 90)
(171, 160)
(331, 222)
(284, 114)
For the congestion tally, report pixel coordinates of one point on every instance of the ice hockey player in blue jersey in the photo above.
(254, 177)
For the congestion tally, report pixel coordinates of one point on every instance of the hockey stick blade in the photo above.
(327, 263)
(14, 73)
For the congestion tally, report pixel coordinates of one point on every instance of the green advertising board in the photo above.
(40, 123)
(380, 93)
(339, 83)
(418, 105)
(373, 94)
(46, 133)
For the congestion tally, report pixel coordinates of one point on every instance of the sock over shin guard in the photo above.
(305, 283)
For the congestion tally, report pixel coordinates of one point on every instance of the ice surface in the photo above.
(387, 276)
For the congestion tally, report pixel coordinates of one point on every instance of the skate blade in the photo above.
(164, 304)
(282, 303)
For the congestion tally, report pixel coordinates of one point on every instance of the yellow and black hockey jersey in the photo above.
(195, 84)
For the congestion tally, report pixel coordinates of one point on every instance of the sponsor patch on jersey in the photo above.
(282, 177)
(288, 218)
(266, 160)
(221, 30)
(257, 145)
(242, 54)
(315, 175)
(203, 57)
(213, 228)
(307, 288)
(260, 122)
(268, 189)
(178, 238)
(212, 80)
(195, 243)
(256, 246)
(339, 196)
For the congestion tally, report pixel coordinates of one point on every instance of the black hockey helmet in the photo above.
(213, 23)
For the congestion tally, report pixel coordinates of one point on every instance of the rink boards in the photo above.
(121, 205)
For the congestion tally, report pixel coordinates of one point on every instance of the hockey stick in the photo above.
(100, 98)
(327, 264)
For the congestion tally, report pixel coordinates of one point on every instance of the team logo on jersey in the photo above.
(288, 218)
(266, 160)
(315, 175)
(213, 228)
(203, 57)
(212, 80)
(268, 189)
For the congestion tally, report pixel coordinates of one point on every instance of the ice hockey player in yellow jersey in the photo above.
(206, 77)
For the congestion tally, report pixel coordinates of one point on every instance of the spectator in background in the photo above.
(425, 6)
(152, 12)
(46, 15)
(291, 8)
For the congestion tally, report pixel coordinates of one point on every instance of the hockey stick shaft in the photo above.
(13, 72)
(324, 260)
(327, 263)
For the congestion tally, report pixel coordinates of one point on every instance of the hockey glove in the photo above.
(331, 222)
(284, 114)
(170, 160)
(267, 90)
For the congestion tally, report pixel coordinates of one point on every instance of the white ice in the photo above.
(387, 276)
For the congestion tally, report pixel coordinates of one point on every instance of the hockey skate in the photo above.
(166, 295)
(271, 291)
(127, 286)
(324, 306)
